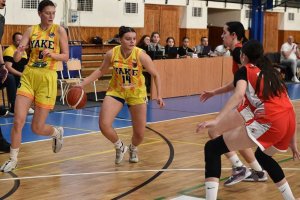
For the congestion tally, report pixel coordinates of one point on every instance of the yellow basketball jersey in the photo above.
(44, 39)
(127, 73)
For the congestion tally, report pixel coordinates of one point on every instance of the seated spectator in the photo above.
(289, 56)
(156, 51)
(221, 50)
(15, 68)
(144, 42)
(203, 49)
(184, 51)
(170, 50)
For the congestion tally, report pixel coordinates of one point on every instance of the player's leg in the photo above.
(138, 115)
(21, 107)
(110, 108)
(213, 151)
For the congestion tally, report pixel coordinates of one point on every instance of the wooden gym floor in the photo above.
(171, 159)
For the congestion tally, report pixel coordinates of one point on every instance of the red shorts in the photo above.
(277, 133)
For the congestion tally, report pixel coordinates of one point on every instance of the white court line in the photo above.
(119, 172)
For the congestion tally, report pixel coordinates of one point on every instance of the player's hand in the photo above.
(295, 151)
(206, 95)
(160, 102)
(47, 53)
(206, 124)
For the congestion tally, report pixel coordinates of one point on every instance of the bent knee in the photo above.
(213, 134)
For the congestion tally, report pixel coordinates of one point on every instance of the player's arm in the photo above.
(99, 72)
(9, 67)
(23, 45)
(235, 99)
(64, 47)
(149, 66)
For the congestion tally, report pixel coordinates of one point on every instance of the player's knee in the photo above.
(37, 128)
(18, 124)
(212, 134)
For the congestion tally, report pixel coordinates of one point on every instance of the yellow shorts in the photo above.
(131, 98)
(40, 85)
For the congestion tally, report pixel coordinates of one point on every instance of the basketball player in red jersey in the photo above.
(233, 37)
(270, 121)
(126, 85)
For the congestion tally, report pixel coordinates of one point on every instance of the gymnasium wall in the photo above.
(174, 19)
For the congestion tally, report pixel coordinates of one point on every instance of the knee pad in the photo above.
(270, 165)
(213, 150)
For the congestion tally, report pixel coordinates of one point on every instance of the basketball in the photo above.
(76, 98)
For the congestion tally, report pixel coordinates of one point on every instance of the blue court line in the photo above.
(86, 120)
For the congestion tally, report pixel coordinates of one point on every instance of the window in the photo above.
(30, 4)
(85, 5)
(197, 12)
(131, 7)
(291, 17)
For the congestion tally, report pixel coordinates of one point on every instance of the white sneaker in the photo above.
(57, 142)
(9, 166)
(30, 111)
(120, 152)
(295, 79)
(133, 156)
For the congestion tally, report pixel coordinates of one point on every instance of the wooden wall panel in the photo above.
(271, 31)
(9, 30)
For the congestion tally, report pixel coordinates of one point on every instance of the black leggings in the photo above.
(11, 89)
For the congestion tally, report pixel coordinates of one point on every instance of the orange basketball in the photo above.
(76, 98)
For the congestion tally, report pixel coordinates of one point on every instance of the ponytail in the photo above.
(273, 84)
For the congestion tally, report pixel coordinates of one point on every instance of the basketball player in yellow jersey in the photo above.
(126, 85)
(49, 44)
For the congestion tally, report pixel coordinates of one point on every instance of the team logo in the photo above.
(51, 35)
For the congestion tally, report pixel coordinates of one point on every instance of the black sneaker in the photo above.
(3, 112)
(4, 146)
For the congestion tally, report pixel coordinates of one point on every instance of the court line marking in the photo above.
(120, 172)
(77, 157)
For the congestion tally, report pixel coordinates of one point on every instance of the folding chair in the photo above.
(73, 65)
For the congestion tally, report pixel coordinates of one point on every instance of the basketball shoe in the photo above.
(133, 157)
(57, 141)
(238, 174)
(257, 176)
(120, 152)
(9, 166)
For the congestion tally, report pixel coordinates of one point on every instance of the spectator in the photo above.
(289, 54)
(15, 68)
(171, 51)
(154, 45)
(184, 50)
(221, 50)
(144, 42)
(203, 49)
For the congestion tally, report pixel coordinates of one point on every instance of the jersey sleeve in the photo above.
(240, 74)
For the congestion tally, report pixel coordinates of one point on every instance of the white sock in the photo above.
(14, 153)
(286, 191)
(118, 144)
(55, 133)
(256, 166)
(235, 161)
(211, 189)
